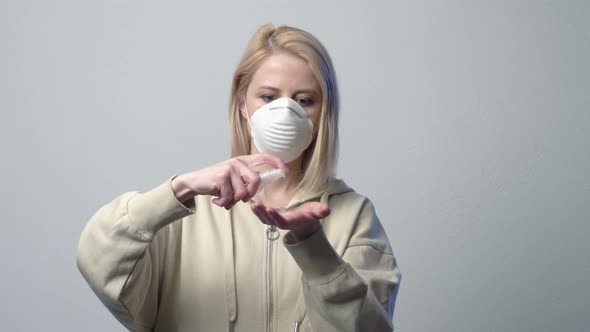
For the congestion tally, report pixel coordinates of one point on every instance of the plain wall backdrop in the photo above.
(467, 123)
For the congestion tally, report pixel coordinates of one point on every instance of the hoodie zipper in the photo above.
(271, 235)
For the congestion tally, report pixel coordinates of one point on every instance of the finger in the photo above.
(226, 193)
(264, 158)
(257, 213)
(320, 211)
(238, 188)
(256, 208)
(277, 218)
(263, 211)
(250, 178)
(306, 212)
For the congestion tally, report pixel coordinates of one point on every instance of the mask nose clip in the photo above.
(289, 108)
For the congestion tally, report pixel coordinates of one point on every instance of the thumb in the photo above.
(318, 210)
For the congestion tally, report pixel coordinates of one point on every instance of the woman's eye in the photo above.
(304, 101)
(267, 98)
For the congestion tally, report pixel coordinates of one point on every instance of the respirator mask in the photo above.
(281, 128)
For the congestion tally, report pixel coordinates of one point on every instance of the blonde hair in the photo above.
(319, 159)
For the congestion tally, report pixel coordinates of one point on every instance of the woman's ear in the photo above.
(242, 107)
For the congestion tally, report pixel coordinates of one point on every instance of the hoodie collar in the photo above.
(336, 186)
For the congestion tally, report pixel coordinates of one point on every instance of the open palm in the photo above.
(301, 221)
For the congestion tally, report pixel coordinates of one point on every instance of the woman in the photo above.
(172, 259)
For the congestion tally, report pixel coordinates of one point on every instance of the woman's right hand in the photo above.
(230, 181)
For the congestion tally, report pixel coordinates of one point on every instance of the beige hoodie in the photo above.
(160, 265)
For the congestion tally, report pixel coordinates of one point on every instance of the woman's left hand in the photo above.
(302, 221)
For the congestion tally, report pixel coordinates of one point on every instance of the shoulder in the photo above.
(353, 219)
(342, 196)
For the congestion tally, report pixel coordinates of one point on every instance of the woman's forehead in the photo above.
(284, 72)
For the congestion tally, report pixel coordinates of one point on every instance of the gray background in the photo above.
(466, 122)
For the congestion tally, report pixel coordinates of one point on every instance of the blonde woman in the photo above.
(214, 250)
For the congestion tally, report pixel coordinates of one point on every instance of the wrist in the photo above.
(302, 233)
(181, 189)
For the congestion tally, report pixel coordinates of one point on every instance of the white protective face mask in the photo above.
(281, 128)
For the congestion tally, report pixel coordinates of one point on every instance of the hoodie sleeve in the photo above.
(121, 247)
(355, 291)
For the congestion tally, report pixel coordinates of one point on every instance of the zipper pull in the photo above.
(272, 233)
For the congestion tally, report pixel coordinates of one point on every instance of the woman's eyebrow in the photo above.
(268, 87)
(309, 91)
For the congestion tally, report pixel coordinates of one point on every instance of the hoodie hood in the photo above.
(336, 186)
